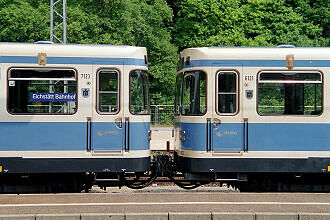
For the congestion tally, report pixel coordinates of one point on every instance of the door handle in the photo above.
(208, 135)
(119, 122)
(216, 122)
(246, 135)
(127, 135)
(89, 134)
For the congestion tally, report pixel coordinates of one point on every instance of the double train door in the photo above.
(107, 125)
(227, 126)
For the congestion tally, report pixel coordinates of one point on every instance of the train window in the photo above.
(139, 92)
(227, 92)
(178, 90)
(290, 93)
(42, 91)
(194, 93)
(108, 90)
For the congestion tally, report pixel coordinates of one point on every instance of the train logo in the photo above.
(219, 134)
(85, 92)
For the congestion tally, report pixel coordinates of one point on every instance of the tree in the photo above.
(20, 22)
(316, 12)
(244, 23)
(207, 23)
(276, 23)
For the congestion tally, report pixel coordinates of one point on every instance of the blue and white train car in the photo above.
(69, 113)
(255, 118)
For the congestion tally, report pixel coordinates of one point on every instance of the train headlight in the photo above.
(149, 135)
(182, 135)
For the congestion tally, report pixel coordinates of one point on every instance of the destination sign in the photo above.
(52, 97)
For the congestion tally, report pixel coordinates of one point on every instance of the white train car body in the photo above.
(73, 108)
(253, 110)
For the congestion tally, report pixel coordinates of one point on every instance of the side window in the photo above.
(139, 103)
(227, 92)
(194, 93)
(188, 94)
(108, 91)
(290, 93)
(42, 91)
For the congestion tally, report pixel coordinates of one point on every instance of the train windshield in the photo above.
(139, 92)
(178, 90)
(193, 95)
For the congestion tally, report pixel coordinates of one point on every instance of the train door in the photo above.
(137, 112)
(107, 130)
(227, 124)
(191, 110)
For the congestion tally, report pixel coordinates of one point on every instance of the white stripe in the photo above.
(167, 203)
(254, 154)
(75, 154)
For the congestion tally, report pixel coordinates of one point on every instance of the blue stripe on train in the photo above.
(139, 135)
(256, 63)
(30, 136)
(289, 137)
(195, 136)
(261, 137)
(74, 60)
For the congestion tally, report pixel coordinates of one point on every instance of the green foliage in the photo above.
(316, 12)
(20, 22)
(278, 23)
(251, 23)
(207, 23)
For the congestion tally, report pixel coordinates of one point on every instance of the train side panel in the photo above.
(263, 116)
(64, 109)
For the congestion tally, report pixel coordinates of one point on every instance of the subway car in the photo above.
(67, 116)
(257, 119)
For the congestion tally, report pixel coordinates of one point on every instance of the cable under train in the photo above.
(74, 116)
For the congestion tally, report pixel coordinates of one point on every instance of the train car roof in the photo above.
(71, 50)
(256, 53)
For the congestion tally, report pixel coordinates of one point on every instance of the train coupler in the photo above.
(163, 165)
